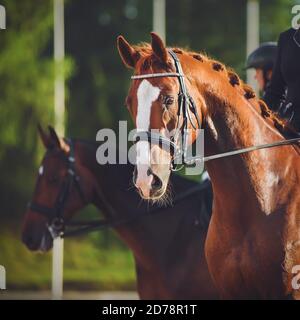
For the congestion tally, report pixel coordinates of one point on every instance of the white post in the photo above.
(59, 55)
(252, 36)
(2, 278)
(57, 268)
(2, 17)
(59, 118)
(159, 18)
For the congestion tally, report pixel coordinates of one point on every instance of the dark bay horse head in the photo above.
(62, 187)
(153, 101)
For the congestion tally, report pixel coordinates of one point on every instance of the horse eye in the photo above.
(169, 100)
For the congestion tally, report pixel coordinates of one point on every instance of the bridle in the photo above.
(56, 222)
(186, 106)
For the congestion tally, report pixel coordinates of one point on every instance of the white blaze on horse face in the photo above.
(146, 95)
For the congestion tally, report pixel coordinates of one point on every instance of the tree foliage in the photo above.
(26, 96)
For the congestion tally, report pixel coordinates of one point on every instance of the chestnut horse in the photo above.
(167, 243)
(253, 241)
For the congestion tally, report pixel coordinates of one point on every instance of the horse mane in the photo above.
(146, 54)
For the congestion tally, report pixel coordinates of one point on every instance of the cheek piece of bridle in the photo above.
(186, 106)
(56, 223)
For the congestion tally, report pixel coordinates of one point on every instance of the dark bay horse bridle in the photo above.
(56, 223)
(186, 105)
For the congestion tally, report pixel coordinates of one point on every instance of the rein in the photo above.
(185, 105)
(193, 160)
(90, 226)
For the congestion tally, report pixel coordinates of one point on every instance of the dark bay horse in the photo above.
(168, 245)
(253, 241)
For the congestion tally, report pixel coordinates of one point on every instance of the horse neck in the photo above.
(233, 123)
(144, 235)
(105, 182)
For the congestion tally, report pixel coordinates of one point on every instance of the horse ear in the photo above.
(58, 142)
(128, 54)
(54, 137)
(159, 48)
(44, 137)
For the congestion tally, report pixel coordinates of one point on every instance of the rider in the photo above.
(283, 94)
(262, 60)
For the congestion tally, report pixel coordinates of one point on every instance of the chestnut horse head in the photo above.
(159, 100)
(58, 192)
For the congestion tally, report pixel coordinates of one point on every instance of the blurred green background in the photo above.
(96, 84)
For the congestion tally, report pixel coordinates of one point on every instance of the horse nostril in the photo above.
(156, 182)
